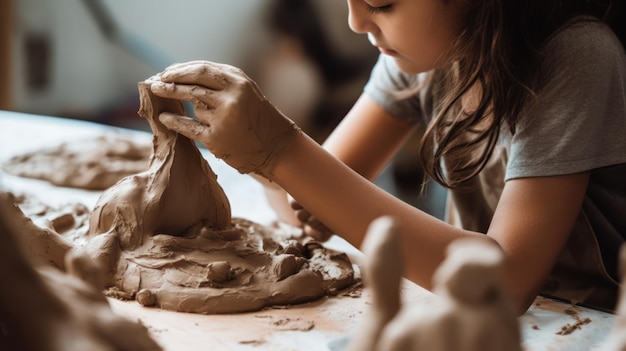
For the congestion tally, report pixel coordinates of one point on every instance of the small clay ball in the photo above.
(219, 271)
(63, 222)
(146, 298)
(285, 265)
(293, 247)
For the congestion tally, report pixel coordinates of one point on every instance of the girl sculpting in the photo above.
(524, 104)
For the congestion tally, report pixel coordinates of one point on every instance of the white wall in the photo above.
(88, 73)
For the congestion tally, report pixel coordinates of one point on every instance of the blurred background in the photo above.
(82, 59)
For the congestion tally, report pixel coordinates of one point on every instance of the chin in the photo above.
(412, 67)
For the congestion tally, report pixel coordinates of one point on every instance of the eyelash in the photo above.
(380, 9)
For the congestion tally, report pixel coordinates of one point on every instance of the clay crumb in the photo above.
(116, 293)
(156, 330)
(295, 324)
(146, 298)
(252, 342)
(354, 291)
(570, 328)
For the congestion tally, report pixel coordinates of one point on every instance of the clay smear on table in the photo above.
(167, 238)
(92, 164)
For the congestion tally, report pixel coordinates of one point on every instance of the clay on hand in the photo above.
(46, 309)
(311, 226)
(166, 237)
(235, 120)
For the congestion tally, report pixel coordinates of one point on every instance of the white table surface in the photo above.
(327, 320)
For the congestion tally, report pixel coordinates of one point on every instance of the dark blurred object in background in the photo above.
(307, 74)
(6, 21)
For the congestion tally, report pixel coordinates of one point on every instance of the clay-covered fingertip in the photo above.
(166, 118)
(156, 87)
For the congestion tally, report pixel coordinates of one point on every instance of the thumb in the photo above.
(189, 127)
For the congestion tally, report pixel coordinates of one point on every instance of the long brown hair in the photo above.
(495, 58)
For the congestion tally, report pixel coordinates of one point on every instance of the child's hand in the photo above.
(235, 121)
(310, 224)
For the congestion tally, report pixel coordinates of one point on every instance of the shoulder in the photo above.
(582, 59)
(576, 121)
(584, 42)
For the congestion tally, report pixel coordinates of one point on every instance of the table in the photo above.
(313, 326)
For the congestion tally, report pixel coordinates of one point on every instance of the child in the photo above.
(525, 106)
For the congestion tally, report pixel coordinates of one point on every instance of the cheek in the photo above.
(424, 44)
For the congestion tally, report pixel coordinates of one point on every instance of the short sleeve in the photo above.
(578, 120)
(387, 86)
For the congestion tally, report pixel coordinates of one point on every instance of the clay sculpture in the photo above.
(475, 312)
(167, 239)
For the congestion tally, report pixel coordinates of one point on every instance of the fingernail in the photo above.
(165, 118)
(163, 87)
(157, 86)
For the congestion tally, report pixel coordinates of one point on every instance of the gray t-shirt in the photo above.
(576, 124)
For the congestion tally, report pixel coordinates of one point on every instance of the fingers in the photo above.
(303, 215)
(313, 227)
(208, 74)
(319, 235)
(315, 223)
(307, 218)
(200, 96)
(295, 205)
(317, 229)
(186, 126)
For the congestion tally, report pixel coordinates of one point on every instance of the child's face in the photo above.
(416, 33)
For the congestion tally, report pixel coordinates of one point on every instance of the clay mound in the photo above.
(92, 164)
(166, 238)
(244, 268)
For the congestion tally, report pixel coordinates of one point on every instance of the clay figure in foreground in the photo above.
(475, 313)
(166, 237)
(617, 337)
(46, 309)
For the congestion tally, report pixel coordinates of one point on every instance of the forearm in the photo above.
(347, 203)
(368, 138)
(365, 140)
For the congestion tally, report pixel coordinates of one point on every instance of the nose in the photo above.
(358, 18)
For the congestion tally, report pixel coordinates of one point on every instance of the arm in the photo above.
(237, 123)
(531, 224)
(366, 140)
